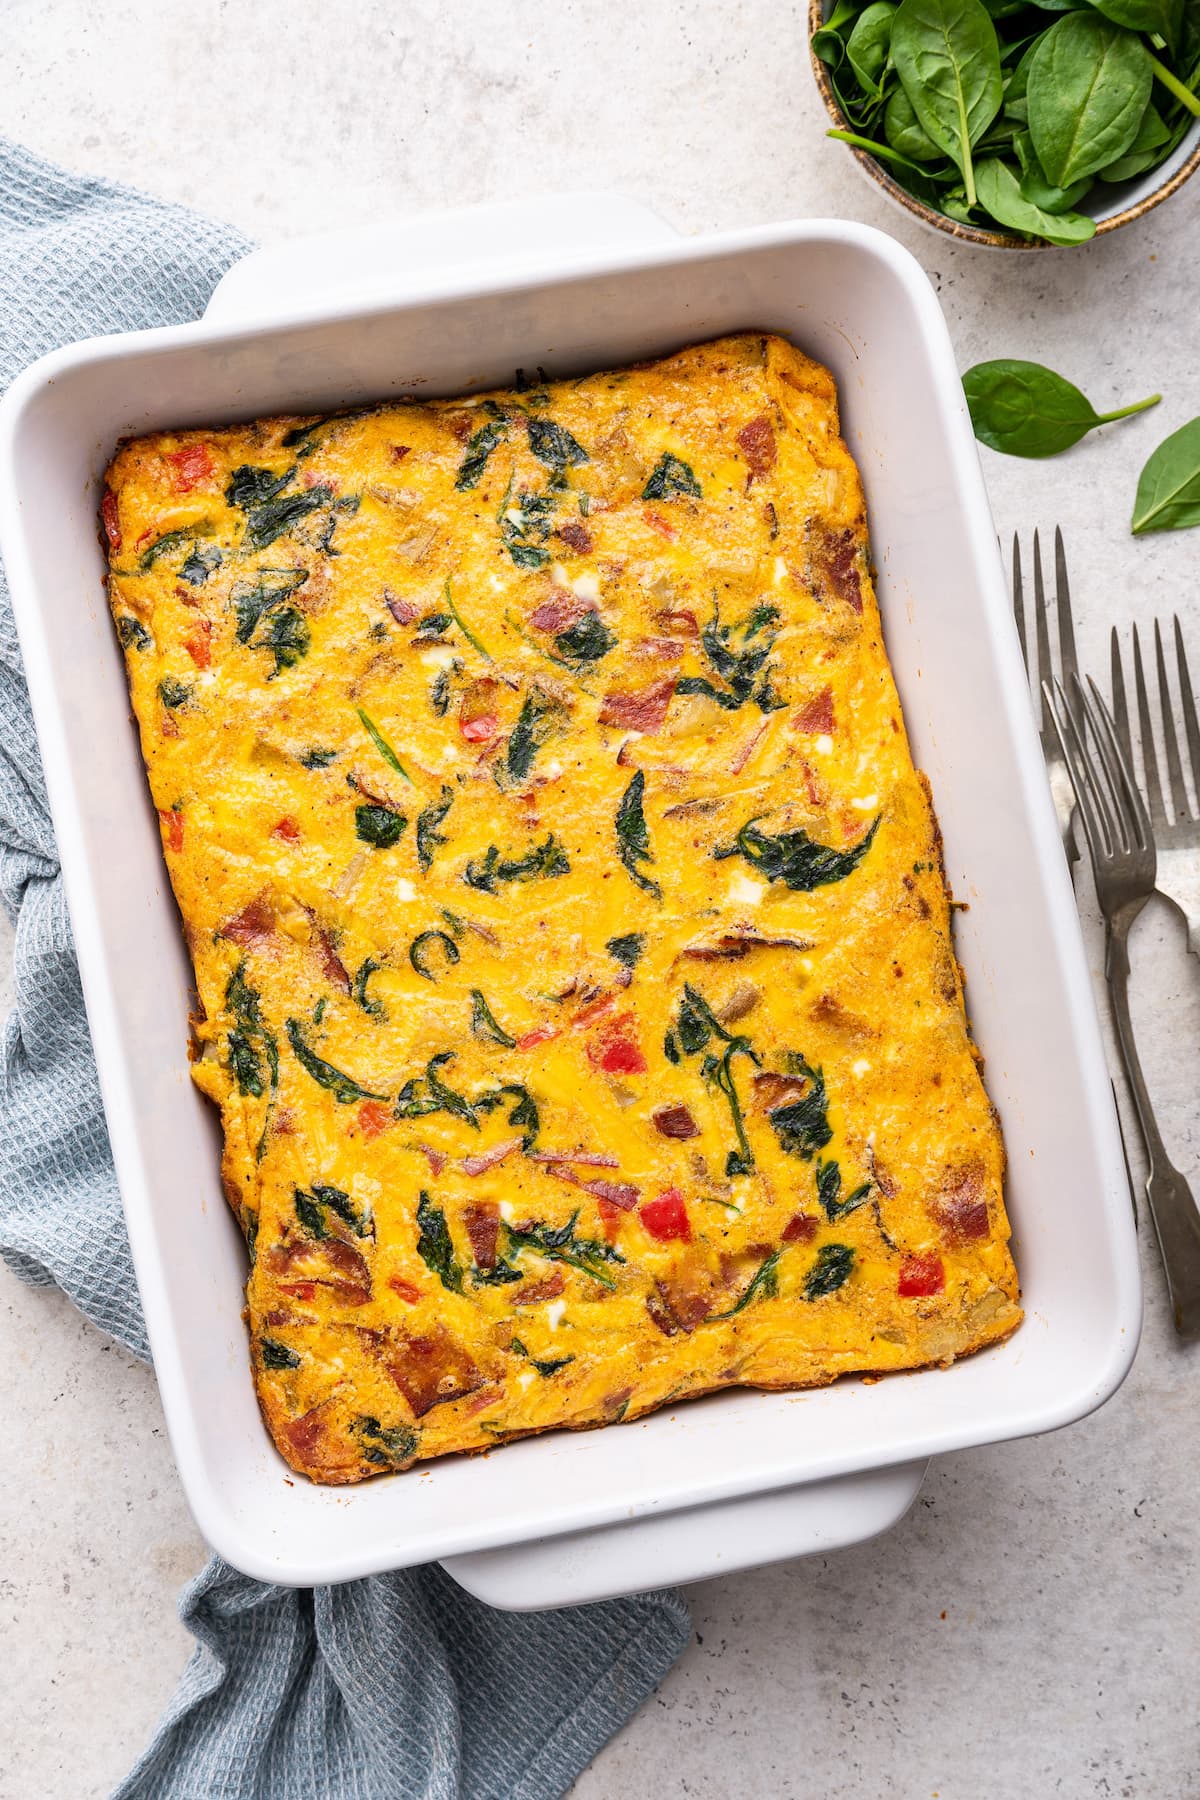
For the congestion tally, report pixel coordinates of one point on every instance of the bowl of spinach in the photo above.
(1017, 124)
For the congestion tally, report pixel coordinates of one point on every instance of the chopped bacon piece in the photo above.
(560, 610)
(111, 518)
(198, 643)
(487, 1159)
(657, 523)
(428, 1370)
(398, 452)
(586, 1014)
(253, 926)
(665, 647)
(549, 1288)
(801, 1228)
(541, 1034)
(639, 712)
(685, 1297)
(324, 1262)
(666, 1218)
(583, 1159)
(961, 1207)
(287, 829)
(312, 478)
(480, 730)
(374, 1116)
(921, 1275)
(772, 1091)
(621, 1194)
(681, 622)
(401, 611)
(190, 466)
(332, 966)
(674, 1121)
(615, 1050)
(748, 748)
(816, 715)
(483, 1231)
(835, 563)
(435, 1158)
(306, 1432)
(757, 444)
(577, 536)
(172, 824)
(610, 1218)
(405, 1289)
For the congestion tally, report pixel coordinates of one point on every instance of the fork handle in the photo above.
(1176, 1220)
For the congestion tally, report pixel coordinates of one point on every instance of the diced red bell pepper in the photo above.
(373, 1117)
(616, 1050)
(197, 643)
(288, 830)
(190, 466)
(405, 1289)
(481, 730)
(111, 517)
(666, 1218)
(921, 1275)
(541, 1034)
(172, 824)
(610, 1218)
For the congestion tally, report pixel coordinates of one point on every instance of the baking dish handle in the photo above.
(388, 260)
(665, 1549)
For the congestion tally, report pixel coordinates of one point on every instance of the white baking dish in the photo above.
(857, 301)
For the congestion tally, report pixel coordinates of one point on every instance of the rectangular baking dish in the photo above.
(856, 300)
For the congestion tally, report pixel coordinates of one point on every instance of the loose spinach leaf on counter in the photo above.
(633, 838)
(795, 858)
(484, 1023)
(343, 1087)
(1168, 491)
(435, 1246)
(542, 862)
(671, 477)
(1089, 84)
(380, 826)
(429, 838)
(831, 1270)
(1025, 409)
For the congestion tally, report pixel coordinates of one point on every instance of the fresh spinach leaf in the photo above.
(670, 478)
(429, 838)
(418, 954)
(1168, 490)
(831, 1270)
(249, 486)
(199, 564)
(1025, 409)
(587, 640)
(1148, 148)
(1000, 194)
(741, 656)
(528, 734)
(163, 546)
(173, 693)
(484, 1023)
(1157, 18)
(795, 858)
(829, 1193)
(343, 1087)
(764, 1285)
(277, 517)
(428, 1093)
(1089, 85)
(358, 989)
(561, 1244)
(869, 44)
(948, 59)
(435, 1246)
(905, 133)
(277, 1356)
(633, 837)
(547, 1367)
(380, 826)
(802, 1125)
(542, 862)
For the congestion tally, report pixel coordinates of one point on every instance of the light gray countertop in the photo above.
(1033, 1626)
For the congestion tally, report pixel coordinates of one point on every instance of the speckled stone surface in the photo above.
(1033, 1627)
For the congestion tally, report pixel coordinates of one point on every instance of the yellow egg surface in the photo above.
(572, 944)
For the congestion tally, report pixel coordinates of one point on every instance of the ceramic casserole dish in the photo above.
(443, 308)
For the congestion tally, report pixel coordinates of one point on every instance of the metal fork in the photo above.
(1176, 839)
(1056, 767)
(1119, 838)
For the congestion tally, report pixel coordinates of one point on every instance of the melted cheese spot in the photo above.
(554, 1313)
(744, 892)
(865, 802)
(824, 745)
(405, 891)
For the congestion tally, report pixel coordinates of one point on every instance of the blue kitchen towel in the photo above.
(394, 1687)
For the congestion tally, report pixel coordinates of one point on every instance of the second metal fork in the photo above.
(1061, 791)
(1121, 844)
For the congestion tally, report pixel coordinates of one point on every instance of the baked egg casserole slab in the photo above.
(571, 941)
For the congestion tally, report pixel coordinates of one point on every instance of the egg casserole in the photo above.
(572, 946)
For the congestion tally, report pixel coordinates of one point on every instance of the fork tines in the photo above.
(1184, 809)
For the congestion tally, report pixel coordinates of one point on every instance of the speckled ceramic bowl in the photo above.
(1128, 200)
